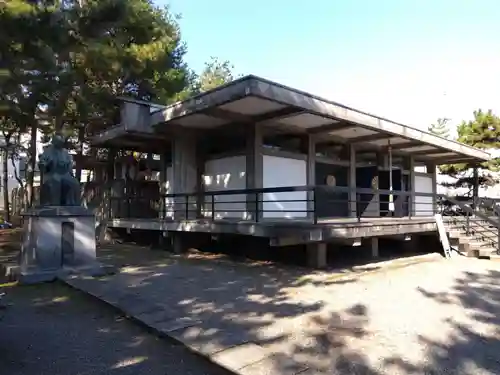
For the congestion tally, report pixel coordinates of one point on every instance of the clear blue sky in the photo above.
(409, 60)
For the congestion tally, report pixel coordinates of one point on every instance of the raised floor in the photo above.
(281, 233)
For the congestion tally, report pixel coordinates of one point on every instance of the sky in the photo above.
(410, 61)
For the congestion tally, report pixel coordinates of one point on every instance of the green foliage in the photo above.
(72, 58)
(482, 132)
(64, 62)
(440, 128)
(215, 73)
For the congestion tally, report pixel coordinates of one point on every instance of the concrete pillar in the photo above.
(200, 186)
(411, 245)
(254, 170)
(178, 245)
(375, 250)
(317, 255)
(381, 164)
(107, 212)
(352, 182)
(411, 167)
(185, 172)
(475, 185)
(110, 168)
(311, 175)
(431, 169)
(164, 160)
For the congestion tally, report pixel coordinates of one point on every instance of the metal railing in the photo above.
(313, 203)
(480, 219)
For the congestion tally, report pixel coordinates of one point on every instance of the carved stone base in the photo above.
(55, 239)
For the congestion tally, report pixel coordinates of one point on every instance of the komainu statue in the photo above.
(59, 186)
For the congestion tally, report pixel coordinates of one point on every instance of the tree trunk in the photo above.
(22, 187)
(5, 184)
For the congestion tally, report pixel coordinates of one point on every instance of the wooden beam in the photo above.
(410, 144)
(240, 118)
(448, 160)
(334, 126)
(428, 152)
(370, 138)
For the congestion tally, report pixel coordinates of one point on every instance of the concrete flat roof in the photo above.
(252, 99)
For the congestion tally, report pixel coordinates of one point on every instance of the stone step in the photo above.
(466, 246)
(485, 252)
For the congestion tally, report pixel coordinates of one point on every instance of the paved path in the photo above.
(54, 330)
(438, 317)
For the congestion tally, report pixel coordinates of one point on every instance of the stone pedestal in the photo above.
(57, 239)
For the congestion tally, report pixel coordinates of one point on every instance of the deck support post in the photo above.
(185, 173)
(254, 171)
(411, 246)
(431, 169)
(311, 175)
(317, 255)
(375, 249)
(178, 245)
(353, 210)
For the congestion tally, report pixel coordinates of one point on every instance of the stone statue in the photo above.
(59, 186)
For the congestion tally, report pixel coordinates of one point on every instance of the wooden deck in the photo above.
(287, 232)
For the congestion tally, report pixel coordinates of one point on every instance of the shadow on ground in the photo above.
(472, 346)
(255, 302)
(54, 330)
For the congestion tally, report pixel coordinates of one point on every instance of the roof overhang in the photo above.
(252, 100)
(121, 137)
(255, 100)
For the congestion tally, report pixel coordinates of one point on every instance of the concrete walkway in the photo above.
(436, 317)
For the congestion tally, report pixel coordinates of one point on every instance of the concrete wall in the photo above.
(228, 173)
(423, 205)
(283, 172)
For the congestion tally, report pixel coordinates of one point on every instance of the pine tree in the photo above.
(440, 128)
(482, 132)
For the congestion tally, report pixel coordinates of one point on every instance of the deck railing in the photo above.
(313, 204)
(480, 218)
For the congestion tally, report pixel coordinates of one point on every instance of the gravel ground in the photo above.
(54, 330)
(439, 317)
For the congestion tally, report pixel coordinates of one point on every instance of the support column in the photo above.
(177, 243)
(375, 250)
(200, 185)
(254, 171)
(185, 173)
(110, 167)
(311, 176)
(475, 186)
(381, 163)
(110, 177)
(317, 255)
(352, 182)
(164, 158)
(431, 169)
(411, 166)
